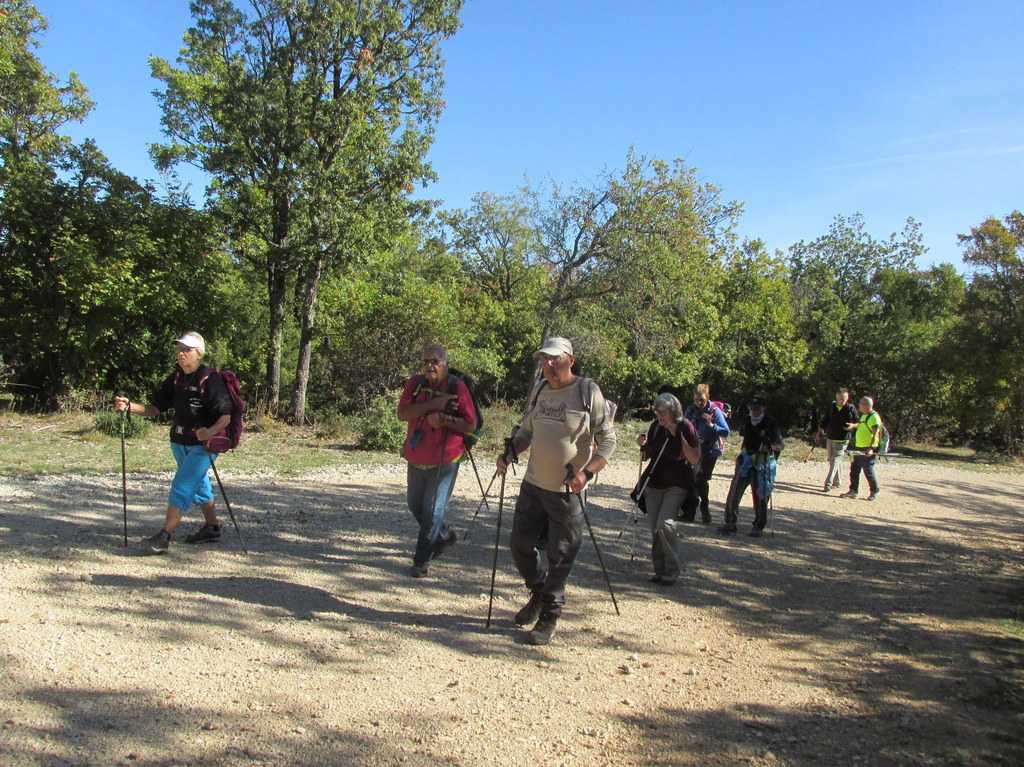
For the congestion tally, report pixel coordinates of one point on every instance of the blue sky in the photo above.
(801, 110)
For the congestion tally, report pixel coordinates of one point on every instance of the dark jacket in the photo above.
(759, 437)
(197, 404)
(835, 420)
(672, 469)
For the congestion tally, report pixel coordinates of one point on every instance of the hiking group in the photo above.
(568, 429)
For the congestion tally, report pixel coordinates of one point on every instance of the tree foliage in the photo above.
(989, 336)
(313, 117)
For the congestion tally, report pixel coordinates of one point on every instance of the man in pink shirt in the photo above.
(439, 409)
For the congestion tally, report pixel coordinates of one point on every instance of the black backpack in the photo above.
(474, 436)
(471, 438)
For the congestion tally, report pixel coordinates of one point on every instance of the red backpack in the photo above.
(231, 435)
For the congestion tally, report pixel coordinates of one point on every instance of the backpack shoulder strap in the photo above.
(536, 392)
(587, 394)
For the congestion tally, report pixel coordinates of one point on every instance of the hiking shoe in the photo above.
(873, 497)
(543, 631)
(756, 532)
(850, 494)
(827, 488)
(705, 517)
(445, 543)
(205, 534)
(531, 610)
(418, 569)
(727, 529)
(654, 579)
(157, 544)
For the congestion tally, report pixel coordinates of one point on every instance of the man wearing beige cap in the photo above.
(566, 416)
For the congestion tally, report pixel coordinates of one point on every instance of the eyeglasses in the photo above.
(432, 361)
(185, 349)
(551, 357)
(661, 412)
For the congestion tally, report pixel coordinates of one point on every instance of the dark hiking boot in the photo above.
(445, 543)
(873, 496)
(157, 544)
(849, 494)
(545, 629)
(727, 529)
(531, 610)
(418, 569)
(705, 516)
(205, 534)
(756, 532)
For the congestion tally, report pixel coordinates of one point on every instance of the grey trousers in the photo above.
(562, 515)
(836, 453)
(662, 508)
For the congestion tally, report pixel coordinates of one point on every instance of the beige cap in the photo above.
(554, 347)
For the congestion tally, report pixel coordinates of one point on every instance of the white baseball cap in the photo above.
(193, 340)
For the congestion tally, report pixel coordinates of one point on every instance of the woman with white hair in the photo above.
(674, 449)
(202, 409)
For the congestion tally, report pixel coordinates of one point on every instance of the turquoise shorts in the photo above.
(191, 483)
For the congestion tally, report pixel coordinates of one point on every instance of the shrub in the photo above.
(109, 422)
(379, 427)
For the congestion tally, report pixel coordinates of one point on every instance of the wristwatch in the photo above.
(588, 474)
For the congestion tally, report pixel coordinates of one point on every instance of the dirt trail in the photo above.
(857, 634)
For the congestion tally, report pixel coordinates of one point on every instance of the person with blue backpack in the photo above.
(708, 419)
(439, 410)
(202, 410)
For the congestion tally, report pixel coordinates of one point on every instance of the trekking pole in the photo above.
(817, 441)
(226, 502)
(509, 452)
(479, 482)
(465, 535)
(570, 473)
(486, 493)
(124, 468)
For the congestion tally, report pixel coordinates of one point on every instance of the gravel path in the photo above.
(857, 634)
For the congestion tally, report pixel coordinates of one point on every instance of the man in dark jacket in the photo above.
(837, 423)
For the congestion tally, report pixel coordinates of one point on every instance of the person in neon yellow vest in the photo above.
(866, 441)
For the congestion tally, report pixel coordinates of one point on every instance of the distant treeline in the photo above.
(314, 274)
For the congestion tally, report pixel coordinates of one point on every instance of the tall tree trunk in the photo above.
(277, 293)
(297, 413)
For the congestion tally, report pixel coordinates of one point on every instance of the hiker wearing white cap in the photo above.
(566, 416)
(202, 408)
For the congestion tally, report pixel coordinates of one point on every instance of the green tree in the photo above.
(34, 105)
(313, 118)
(97, 269)
(834, 294)
(759, 348)
(497, 245)
(989, 337)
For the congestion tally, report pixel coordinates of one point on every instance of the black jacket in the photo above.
(835, 420)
